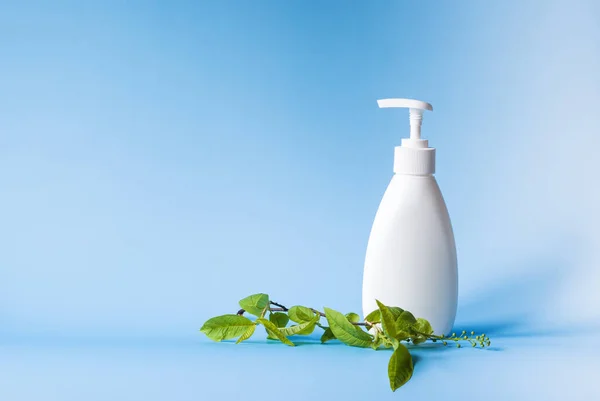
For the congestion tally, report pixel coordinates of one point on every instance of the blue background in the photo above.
(161, 160)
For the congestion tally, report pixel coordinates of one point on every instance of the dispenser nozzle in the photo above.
(416, 108)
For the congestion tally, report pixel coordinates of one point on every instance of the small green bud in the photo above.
(434, 340)
(453, 334)
(463, 332)
(472, 333)
(444, 342)
(465, 337)
(457, 345)
(474, 344)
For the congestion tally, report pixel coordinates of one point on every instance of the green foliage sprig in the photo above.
(386, 327)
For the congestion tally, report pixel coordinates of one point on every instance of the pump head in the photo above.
(414, 157)
(416, 108)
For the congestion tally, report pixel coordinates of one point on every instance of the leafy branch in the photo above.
(282, 308)
(386, 327)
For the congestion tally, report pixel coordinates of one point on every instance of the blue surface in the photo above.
(161, 160)
(189, 369)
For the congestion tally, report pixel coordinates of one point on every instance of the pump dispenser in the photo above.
(411, 254)
(414, 156)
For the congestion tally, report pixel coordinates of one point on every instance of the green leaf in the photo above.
(405, 323)
(401, 330)
(302, 328)
(396, 311)
(361, 328)
(226, 327)
(255, 304)
(418, 340)
(381, 339)
(400, 368)
(374, 317)
(327, 335)
(387, 320)
(274, 332)
(391, 343)
(407, 317)
(247, 334)
(353, 317)
(421, 330)
(402, 335)
(423, 326)
(346, 331)
(300, 314)
(377, 342)
(279, 319)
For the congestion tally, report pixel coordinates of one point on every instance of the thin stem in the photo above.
(483, 342)
(317, 312)
(283, 308)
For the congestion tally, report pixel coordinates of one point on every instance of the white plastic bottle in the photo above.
(411, 255)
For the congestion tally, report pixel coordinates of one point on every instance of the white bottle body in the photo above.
(411, 254)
